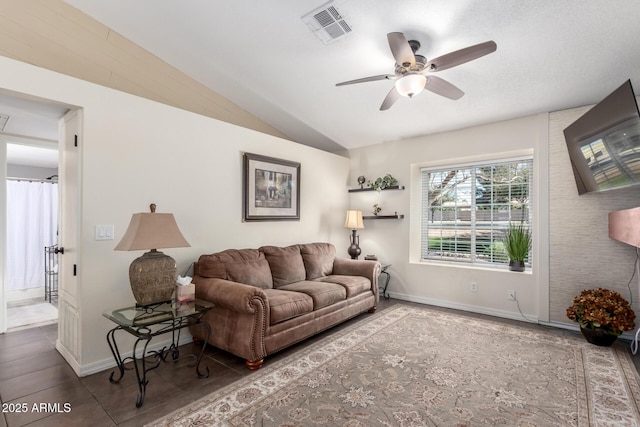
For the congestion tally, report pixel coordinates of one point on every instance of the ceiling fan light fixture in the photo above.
(410, 85)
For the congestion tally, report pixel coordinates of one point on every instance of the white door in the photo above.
(69, 234)
(3, 228)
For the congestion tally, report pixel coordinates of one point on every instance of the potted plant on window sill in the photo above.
(517, 244)
(602, 314)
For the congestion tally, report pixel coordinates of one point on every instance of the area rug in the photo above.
(31, 314)
(409, 366)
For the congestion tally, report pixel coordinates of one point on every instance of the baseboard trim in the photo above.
(108, 363)
(71, 360)
(629, 336)
(530, 318)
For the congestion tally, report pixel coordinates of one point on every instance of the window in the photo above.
(467, 208)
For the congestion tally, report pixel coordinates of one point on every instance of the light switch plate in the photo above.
(104, 232)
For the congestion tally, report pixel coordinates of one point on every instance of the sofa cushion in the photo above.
(248, 266)
(318, 259)
(254, 272)
(284, 305)
(354, 285)
(285, 263)
(322, 293)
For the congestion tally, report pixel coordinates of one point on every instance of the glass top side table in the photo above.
(147, 322)
(136, 316)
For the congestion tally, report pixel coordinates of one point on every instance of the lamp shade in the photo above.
(624, 226)
(354, 220)
(152, 231)
(410, 85)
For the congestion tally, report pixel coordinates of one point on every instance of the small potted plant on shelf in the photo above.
(517, 244)
(382, 183)
(603, 315)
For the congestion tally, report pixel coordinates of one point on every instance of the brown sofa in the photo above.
(269, 298)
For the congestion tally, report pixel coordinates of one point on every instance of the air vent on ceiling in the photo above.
(3, 121)
(327, 23)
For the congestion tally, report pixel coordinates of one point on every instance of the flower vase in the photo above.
(598, 337)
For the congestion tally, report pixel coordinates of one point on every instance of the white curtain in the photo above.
(32, 223)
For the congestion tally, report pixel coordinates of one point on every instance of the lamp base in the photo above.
(153, 278)
(354, 249)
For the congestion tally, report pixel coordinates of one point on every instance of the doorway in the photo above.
(29, 131)
(32, 223)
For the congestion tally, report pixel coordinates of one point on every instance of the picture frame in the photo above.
(271, 189)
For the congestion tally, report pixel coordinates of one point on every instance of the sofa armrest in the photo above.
(354, 267)
(239, 318)
(232, 295)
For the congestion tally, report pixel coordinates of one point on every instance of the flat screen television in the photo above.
(604, 144)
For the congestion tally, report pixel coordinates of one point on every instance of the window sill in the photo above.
(497, 269)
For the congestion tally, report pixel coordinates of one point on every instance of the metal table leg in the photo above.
(386, 283)
(175, 351)
(116, 355)
(142, 379)
(139, 364)
(204, 345)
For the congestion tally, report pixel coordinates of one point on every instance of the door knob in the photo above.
(59, 251)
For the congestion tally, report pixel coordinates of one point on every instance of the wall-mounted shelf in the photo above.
(394, 187)
(396, 216)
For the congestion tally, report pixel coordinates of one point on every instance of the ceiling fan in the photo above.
(413, 72)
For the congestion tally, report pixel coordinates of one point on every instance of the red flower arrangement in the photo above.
(602, 309)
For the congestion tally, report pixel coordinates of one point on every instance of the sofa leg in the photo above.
(372, 309)
(254, 365)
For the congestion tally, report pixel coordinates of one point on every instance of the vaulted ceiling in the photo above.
(551, 55)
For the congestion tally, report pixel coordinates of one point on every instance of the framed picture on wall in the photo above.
(271, 189)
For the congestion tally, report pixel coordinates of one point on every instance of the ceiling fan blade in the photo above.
(443, 87)
(461, 56)
(390, 99)
(401, 50)
(368, 79)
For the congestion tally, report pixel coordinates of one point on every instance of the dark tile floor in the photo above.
(33, 372)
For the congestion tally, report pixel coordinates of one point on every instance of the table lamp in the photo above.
(152, 275)
(354, 222)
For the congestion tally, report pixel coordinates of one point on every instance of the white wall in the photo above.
(137, 151)
(396, 242)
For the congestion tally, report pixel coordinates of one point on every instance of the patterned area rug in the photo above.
(410, 366)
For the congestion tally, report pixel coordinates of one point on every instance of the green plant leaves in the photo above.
(517, 242)
(382, 183)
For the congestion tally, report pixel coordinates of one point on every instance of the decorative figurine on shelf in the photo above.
(361, 180)
(376, 209)
(382, 183)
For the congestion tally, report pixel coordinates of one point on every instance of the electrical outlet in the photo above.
(511, 294)
(474, 287)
